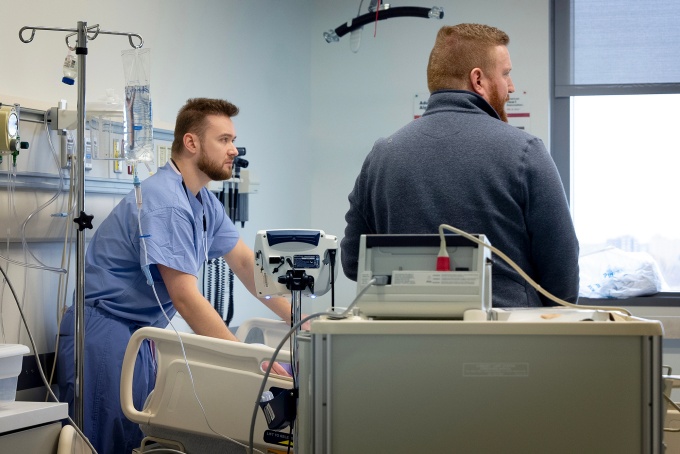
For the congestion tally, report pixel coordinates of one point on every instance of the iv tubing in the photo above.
(40, 266)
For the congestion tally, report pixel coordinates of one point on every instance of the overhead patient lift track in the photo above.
(83, 33)
(385, 12)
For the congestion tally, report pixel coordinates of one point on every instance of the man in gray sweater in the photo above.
(461, 164)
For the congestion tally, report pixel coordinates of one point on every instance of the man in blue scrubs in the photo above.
(179, 225)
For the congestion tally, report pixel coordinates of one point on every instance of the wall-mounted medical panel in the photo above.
(35, 193)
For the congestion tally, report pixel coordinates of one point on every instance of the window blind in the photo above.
(624, 42)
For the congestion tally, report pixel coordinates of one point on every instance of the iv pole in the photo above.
(84, 221)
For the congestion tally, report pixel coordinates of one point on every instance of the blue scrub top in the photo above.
(172, 221)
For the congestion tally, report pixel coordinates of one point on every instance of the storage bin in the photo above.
(11, 358)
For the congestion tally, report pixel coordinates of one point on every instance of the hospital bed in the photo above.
(226, 378)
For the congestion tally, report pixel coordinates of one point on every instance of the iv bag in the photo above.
(138, 119)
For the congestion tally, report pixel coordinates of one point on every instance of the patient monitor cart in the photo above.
(426, 365)
(406, 386)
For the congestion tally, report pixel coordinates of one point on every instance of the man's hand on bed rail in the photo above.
(281, 369)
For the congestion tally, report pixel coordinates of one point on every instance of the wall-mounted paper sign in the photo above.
(420, 104)
(518, 111)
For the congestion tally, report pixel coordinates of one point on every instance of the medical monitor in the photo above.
(307, 257)
(410, 287)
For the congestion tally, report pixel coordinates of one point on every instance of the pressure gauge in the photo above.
(13, 125)
(9, 128)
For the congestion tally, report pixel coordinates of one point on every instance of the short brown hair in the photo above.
(457, 50)
(191, 118)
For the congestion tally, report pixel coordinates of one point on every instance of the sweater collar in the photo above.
(443, 100)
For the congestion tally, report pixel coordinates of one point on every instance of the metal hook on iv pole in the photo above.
(90, 36)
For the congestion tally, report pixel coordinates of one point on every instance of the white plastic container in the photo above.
(11, 358)
(70, 69)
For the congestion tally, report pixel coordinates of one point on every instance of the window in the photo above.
(615, 130)
(626, 159)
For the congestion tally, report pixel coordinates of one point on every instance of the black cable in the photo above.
(331, 257)
(237, 174)
(219, 285)
(233, 215)
(230, 305)
(230, 198)
(207, 279)
(290, 434)
(399, 11)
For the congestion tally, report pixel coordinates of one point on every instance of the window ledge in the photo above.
(665, 299)
(662, 307)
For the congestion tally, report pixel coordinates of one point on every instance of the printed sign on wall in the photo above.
(518, 111)
(420, 104)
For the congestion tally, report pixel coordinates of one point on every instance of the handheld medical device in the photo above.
(294, 260)
(411, 286)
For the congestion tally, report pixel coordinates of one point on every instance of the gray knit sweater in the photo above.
(459, 164)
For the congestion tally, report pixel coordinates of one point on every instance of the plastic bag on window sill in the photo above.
(614, 273)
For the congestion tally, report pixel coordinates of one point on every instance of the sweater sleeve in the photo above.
(357, 223)
(554, 246)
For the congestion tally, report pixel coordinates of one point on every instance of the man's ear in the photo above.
(190, 142)
(477, 82)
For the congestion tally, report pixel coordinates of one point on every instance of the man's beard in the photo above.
(498, 105)
(212, 169)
